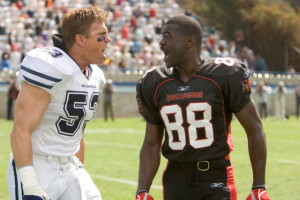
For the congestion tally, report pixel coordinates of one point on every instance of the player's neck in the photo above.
(78, 57)
(187, 70)
(86, 72)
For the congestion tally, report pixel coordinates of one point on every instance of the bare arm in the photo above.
(251, 122)
(150, 156)
(30, 107)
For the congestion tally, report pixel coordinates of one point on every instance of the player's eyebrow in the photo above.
(166, 33)
(102, 32)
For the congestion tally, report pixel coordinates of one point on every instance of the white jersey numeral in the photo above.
(226, 61)
(176, 126)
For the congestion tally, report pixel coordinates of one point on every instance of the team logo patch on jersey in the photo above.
(139, 104)
(185, 95)
(247, 74)
(55, 53)
(246, 85)
(226, 189)
(216, 185)
(183, 88)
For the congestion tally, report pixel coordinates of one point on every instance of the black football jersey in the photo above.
(196, 114)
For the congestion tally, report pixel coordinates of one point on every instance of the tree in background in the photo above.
(271, 27)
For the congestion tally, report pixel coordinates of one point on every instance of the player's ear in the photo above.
(190, 41)
(79, 39)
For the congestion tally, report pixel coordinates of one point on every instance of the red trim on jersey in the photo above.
(220, 94)
(172, 79)
(230, 180)
(229, 139)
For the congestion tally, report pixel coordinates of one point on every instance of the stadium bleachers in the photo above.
(125, 80)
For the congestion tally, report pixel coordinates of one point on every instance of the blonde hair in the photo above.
(79, 21)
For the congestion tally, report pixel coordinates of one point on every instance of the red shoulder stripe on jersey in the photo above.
(221, 96)
(154, 98)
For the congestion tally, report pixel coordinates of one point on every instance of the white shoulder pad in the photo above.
(45, 67)
(98, 75)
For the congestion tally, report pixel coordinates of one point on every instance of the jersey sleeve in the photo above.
(238, 88)
(40, 68)
(145, 90)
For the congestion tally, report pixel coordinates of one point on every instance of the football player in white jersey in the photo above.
(60, 86)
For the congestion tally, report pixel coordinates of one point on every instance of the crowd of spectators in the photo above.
(134, 26)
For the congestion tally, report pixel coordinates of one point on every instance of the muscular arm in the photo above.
(251, 122)
(150, 156)
(29, 110)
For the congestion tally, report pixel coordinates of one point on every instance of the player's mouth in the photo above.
(103, 52)
(166, 53)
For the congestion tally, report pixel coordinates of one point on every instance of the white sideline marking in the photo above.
(114, 145)
(109, 131)
(121, 181)
(285, 161)
(269, 140)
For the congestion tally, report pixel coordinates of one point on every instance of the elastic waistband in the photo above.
(51, 158)
(203, 165)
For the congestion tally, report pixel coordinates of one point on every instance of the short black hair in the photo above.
(188, 26)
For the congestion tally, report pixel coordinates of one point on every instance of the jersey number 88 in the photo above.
(194, 124)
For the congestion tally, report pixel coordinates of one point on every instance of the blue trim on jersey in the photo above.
(37, 83)
(50, 78)
(16, 179)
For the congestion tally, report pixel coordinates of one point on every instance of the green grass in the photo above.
(112, 154)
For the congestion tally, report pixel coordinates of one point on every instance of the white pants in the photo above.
(60, 179)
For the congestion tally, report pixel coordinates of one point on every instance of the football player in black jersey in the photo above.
(190, 101)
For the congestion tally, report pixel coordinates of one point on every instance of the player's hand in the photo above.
(31, 188)
(143, 196)
(33, 197)
(35, 193)
(258, 194)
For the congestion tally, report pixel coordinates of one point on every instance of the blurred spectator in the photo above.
(251, 62)
(108, 103)
(15, 57)
(126, 10)
(291, 70)
(120, 2)
(125, 60)
(260, 64)
(232, 49)
(297, 93)
(19, 4)
(125, 32)
(240, 37)
(116, 55)
(12, 94)
(5, 60)
(263, 91)
(2, 27)
(153, 9)
(147, 57)
(280, 101)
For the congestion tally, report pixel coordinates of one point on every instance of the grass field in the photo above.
(112, 153)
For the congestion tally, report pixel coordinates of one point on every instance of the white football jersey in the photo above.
(73, 99)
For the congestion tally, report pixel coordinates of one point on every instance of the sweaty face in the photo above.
(94, 48)
(172, 45)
